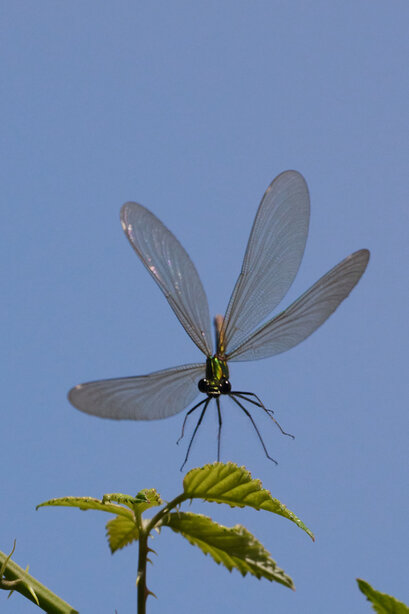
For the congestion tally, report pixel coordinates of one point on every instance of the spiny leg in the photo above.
(269, 412)
(186, 417)
(220, 428)
(255, 427)
(206, 403)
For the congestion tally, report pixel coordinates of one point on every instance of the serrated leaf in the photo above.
(381, 602)
(146, 498)
(121, 531)
(235, 547)
(153, 499)
(122, 499)
(231, 484)
(88, 503)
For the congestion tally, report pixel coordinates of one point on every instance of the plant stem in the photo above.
(141, 578)
(16, 579)
(144, 532)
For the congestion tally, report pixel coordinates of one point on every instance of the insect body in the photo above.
(216, 381)
(273, 256)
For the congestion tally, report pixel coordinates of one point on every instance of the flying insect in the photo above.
(271, 261)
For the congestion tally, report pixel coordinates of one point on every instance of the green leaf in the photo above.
(88, 503)
(146, 498)
(121, 531)
(381, 602)
(235, 548)
(231, 484)
(122, 499)
(152, 497)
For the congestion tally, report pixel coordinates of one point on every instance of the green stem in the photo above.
(143, 552)
(16, 579)
(144, 533)
(165, 510)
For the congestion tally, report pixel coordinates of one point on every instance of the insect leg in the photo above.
(259, 403)
(187, 415)
(220, 428)
(206, 403)
(255, 427)
(269, 412)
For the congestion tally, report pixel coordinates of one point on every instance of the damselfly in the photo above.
(273, 256)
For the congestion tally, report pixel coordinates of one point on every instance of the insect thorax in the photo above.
(216, 381)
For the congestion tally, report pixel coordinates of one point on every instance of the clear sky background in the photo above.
(192, 108)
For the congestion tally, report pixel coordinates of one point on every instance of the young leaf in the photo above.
(121, 531)
(153, 499)
(113, 503)
(231, 484)
(235, 548)
(88, 503)
(381, 602)
(122, 499)
(146, 498)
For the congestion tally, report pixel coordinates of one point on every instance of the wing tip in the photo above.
(131, 207)
(292, 175)
(72, 393)
(362, 256)
(289, 174)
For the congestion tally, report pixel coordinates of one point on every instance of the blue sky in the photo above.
(192, 109)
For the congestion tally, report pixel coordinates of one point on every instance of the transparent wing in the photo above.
(174, 272)
(146, 397)
(273, 256)
(307, 313)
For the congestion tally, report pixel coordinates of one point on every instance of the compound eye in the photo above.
(203, 385)
(225, 387)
